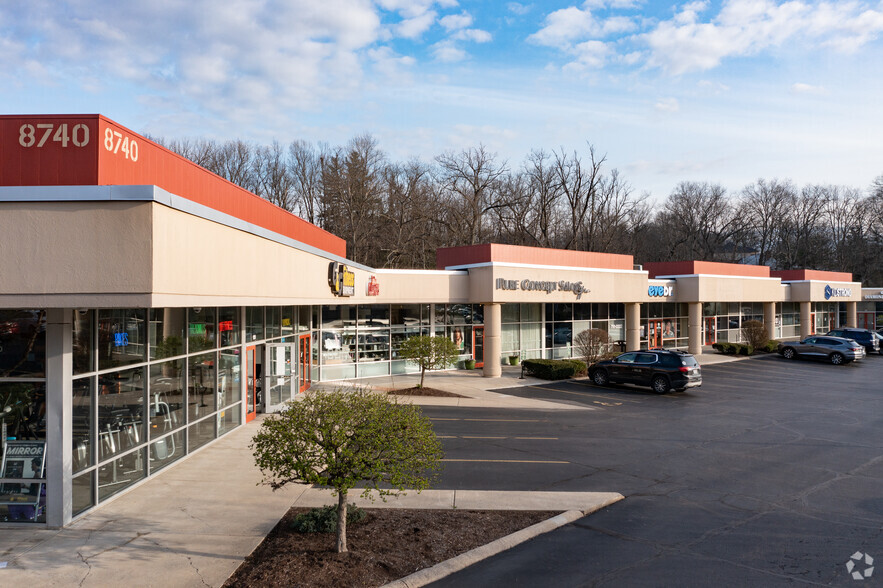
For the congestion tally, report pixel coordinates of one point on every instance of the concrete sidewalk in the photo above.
(193, 524)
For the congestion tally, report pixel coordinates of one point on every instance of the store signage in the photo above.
(225, 326)
(548, 287)
(120, 339)
(877, 296)
(197, 328)
(341, 279)
(837, 292)
(661, 290)
(373, 286)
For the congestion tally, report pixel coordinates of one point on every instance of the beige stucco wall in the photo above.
(728, 289)
(604, 286)
(199, 261)
(814, 291)
(71, 254)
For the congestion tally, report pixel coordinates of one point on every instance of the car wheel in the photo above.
(600, 377)
(836, 358)
(788, 353)
(660, 384)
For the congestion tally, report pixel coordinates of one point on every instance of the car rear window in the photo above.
(690, 361)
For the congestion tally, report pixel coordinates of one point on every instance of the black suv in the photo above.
(863, 337)
(661, 369)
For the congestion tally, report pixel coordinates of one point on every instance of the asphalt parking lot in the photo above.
(769, 474)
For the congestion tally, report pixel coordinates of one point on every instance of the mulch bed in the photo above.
(389, 544)
(415, 391)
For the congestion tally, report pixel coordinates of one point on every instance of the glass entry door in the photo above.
(655, 339)
(478, 346)
(305, 372)
(710, 338)
(251, 385)
(281, 374)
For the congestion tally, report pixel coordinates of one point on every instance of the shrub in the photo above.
(718, 347)
(580, 368)
(771, 346)
(324, 519)
(727, 348)
(551, 369)
(754, 333)
(746, 350)
(591, 344)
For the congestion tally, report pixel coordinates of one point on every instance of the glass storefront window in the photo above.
(228, 325)
(166, 450)
(304, 313)
(82, 341)
(254, 323)
(337, 316)
(510, 313)
(583, 311)
(83, 493)
(373, 315)
(289, 320)
(201, 433)
(229, 419)
(122, 337)
(374, 345)
(120, 473)
(404, 314)
(81, 424)
(166, 402)
(120, 412)
(339, 346)
(510, 339)
(273, 321)
(399, 335)
(201, 329)
(532, 312)
(22, 343)
(23, 409)
(202, 384)
(229, 390)
(168, 329)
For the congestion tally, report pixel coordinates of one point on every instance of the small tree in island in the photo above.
(429, 353)
(343, 438)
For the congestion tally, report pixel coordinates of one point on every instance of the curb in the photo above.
(464, 560)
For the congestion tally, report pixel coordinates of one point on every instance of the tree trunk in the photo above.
(341, 522)
(422, 374)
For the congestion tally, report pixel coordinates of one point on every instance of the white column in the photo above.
(632, 326)
(59, 419)
(694, 321)
(769, 319)
(493, 340)
(806, 328)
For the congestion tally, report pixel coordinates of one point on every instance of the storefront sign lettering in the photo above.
(877, 296)
(341, 279)
(837, 292)
(373, 286)
(227, 326)
(548, 287)
(120, 339)
(661, 290)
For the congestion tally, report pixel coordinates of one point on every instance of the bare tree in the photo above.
(470, 178)
(763, 208)
(274, 179)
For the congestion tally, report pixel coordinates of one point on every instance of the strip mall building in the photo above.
(148, 307)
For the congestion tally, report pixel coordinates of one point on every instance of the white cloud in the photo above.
(667, 105)
(474, 35)
(453, 22)
(801, 88)
(589, 55)
(748, 27)
(448, 52)
(223, 56)
(564, 26)
(412, 28)
(519, 9)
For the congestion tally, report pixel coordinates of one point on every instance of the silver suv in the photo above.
(837, 350)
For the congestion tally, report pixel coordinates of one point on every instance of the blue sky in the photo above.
(725, 92)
